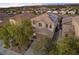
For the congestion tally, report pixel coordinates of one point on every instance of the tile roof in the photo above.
(3, 16)
(67, 20)
(47, 18)
(23, 16)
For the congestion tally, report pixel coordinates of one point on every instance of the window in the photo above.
(33, 22)
(50, 26)
(40, 25)
(46, 25)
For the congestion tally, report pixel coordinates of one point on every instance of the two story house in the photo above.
(45, 24)
(23, 16)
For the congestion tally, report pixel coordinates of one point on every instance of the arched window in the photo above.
(40, 24)
(33, 22)
(50, 26)
(46, 25)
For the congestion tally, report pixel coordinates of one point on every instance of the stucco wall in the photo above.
(76, 27)
(36, 25)
(43, 30)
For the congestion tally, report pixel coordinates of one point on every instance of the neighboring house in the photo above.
(45, 24)
(49, 11)
(3, 18)
(75, 23)
(55, 12)
(24, 16)
(62, 12)
(71, 12)
(67, 27)
(41, 10)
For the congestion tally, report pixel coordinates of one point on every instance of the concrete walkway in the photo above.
(30, 51)
(4, 51)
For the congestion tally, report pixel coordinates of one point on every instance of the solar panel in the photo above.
(53, 17)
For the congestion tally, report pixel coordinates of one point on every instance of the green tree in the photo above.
(68, 46)
(4, 35)
(20, 32)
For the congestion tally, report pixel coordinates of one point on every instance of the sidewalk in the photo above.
(4, 51)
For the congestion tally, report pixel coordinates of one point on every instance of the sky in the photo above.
(17, 4)
(13, 3)
(38, 1)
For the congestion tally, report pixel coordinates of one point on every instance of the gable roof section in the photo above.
(23, 16)
(46, 17)
(3, 16)
(67, 20)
